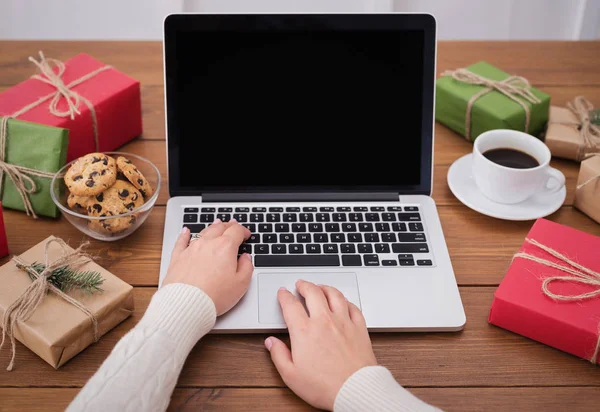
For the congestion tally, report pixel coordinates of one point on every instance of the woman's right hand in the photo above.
(328, 345)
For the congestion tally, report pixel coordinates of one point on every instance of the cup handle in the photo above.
(556, 175)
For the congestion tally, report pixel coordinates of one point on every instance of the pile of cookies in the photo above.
(101, 186)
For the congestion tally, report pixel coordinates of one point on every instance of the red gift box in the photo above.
(69, 98)
(551, 292)
(3, 241)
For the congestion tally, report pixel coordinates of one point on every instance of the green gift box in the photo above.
(35, 152)
(481, 97)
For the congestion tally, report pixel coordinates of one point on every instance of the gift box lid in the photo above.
(521, 305)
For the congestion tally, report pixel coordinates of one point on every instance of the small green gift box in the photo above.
(481, 97)
(30, 155)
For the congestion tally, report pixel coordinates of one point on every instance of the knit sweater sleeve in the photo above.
(142, 370)
(373, 388)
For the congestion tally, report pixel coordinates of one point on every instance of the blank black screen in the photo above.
(297, 108)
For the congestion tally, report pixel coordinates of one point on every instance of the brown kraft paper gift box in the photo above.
(57, 330)
(587, 195)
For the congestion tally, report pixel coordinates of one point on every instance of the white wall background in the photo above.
(457, 19)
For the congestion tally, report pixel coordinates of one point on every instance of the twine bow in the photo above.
(589, 132)
(516, 88)
(577, 273)
(20, 175)
(22, 308)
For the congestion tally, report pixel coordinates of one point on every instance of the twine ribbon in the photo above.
(22, 308)
(516, 88)
(589, 132)
(591, 179)
(20, 175)
(577, 273)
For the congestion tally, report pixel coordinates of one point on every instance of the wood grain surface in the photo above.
(480, 368)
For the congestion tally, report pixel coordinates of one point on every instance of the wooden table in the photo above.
(480, 368)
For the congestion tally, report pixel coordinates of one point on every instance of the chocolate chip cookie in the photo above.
(136, 177)
(91, 174)
(121, 197)
(78, 203)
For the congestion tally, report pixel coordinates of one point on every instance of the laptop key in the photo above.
(365, 248)
(273, 217)
(241, 217)
(259, 209)
(348, 248)
(306, 217)
(296, 260)
(377, 209)
(382, 248)
(406, 262)
(208, 210)
(389, 237)
(424, 262)
(349, 227)
(361, 209)
(365, 227)
(343, 209)
(292, 209)
(401, 227)
(254, 238)
(286, 238)
(389, 263)
(372, 217)
(355, 237)
(409, 217)
(315, 227)
(372, 237)
(282, 227)
(250, 226)
(276, 209)
(411, 208)
(257, 217)
(330, 248)
(190, 210)
(313, 248)
(411, 237)
(394, 209)
(195, 228)
(190, 218)
(270, 238)
(309, 209)
(289, 217)
(415, 227)
(332, 227)
(326, 209)
(410, 248)
(278, 249)
(356, 217)
(225, 217)
(323, 217)
(242, 210)
(338, 237)
(339, 217)
(388, 217)
(321, 237)
(371, 260)
(261, 249)
(382, 227)
(225, 210)
(296, 248)
(245, 248)
(299, 227)
(207, 218)
(303, 238)
(265, 227)
(351, 260)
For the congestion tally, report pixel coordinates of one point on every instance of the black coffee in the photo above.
(511, 158)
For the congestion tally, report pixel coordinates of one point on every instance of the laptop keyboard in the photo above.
(326, 235)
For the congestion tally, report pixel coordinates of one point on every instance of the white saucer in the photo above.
(462, 184)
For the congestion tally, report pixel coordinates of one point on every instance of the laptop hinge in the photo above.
(300, 197)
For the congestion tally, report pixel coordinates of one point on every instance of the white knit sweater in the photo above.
(142, 370)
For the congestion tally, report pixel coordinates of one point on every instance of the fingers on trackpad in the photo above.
(269, 310)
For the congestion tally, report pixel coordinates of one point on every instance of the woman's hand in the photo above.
(328, 345)
(211, 264)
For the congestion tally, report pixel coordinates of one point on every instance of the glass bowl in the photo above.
(85, 223)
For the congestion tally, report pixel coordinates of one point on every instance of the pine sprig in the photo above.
(66, 279)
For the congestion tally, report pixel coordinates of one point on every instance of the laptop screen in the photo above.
(260, 103)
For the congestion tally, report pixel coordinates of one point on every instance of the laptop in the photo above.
(315, 131)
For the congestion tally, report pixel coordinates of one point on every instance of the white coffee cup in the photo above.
(509, 185)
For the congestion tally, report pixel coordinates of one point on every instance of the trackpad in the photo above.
(269, 310)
